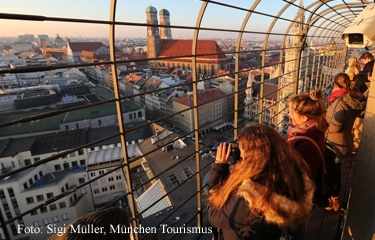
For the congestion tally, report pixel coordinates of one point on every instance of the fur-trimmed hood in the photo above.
(279, 209)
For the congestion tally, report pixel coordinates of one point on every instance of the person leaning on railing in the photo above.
(267, 193)
(306, 136)
(341, 86)
(364, 59)
(340, 116)
(362, 83)
(353, 68)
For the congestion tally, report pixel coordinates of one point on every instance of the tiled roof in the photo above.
(85, 46)
(204, 96)
(170, 48)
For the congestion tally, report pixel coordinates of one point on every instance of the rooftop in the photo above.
(64, 140)
(85, 46)
(102, 110)
(54, 178)
(204, 96)
(182, 47)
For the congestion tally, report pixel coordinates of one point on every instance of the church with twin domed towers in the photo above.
(160, 44)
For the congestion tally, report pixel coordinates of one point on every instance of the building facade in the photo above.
(160, 43)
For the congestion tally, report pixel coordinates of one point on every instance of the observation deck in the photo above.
(169, 97)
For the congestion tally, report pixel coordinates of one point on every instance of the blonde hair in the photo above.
(353, 68)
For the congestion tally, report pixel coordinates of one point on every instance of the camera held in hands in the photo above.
(234, 155)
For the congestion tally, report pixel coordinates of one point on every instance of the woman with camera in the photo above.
(267, 192)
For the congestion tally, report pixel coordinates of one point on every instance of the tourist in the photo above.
(306, 134)
(353, 68)
(341, 86)
(268, 192)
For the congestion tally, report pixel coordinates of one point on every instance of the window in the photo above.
(36, 159)
(66, 127)
(34, 212)
(110, 179)
(52, 207)
(49, 195)
(140, 115)
(14, 229)
(57, 167)
(62, 189)
(2, 194)
(104, 189)
(173, 179)
(118, 177)
(6, 207)
(82, 162)
(96, 191)
(73, 154)
(81, 180)
(112, 187)
(8, 214)
(15, 204)
(74, 164)
(131, 116)
(25, 185)
(188, 172)
(29, 200)
(80, 152)
(100, 122)
(62, 205)
(92, 174)
(66, 166)
(10, 192)
(39, 198)
(77, 125)
(101, 172)
(40, 174)
(27, 162)
(31, 181)
(43, 209)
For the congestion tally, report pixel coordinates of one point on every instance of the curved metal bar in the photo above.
(237, 65)
(265, 46)
(308, 10)
(333, 9)
(120, 117)
(337, 7)
(195, 110)
(313, 23)
(347, 5)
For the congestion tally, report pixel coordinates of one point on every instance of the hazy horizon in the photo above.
(216, 16)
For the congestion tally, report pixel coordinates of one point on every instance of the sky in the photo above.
(183, 12)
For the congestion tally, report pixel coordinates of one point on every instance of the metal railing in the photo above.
(317, 33)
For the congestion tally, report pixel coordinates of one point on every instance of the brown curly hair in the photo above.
(267, 160)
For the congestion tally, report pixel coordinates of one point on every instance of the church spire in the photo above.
(301, 16)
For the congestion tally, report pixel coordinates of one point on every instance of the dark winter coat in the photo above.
(340, 117)
(237, 219)
(307, 149)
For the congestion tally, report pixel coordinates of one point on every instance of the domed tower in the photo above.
(153, 37)
(165, 32)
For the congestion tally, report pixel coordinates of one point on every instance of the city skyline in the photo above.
(134, 11)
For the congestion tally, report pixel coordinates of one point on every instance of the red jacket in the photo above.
(336, 93)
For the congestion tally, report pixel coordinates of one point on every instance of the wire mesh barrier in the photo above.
(302, 57)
